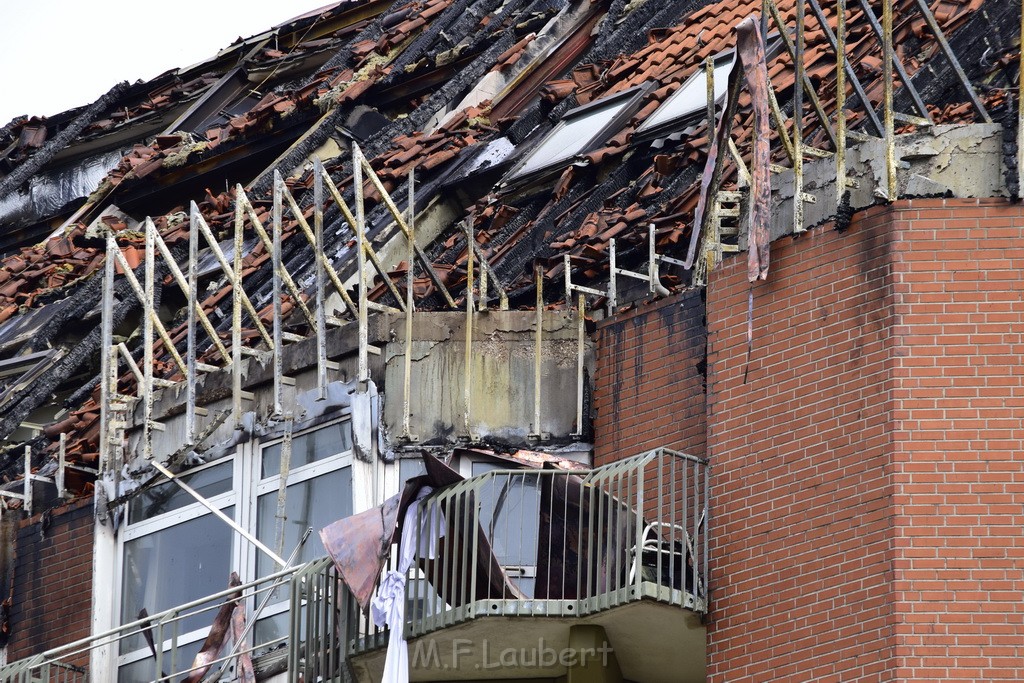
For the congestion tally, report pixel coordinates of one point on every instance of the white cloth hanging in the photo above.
(420, 535)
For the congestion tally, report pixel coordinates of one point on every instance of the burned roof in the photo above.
(460, 92)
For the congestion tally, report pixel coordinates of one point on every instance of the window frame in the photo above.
(246, 487)
(631, 97)
(681, 121)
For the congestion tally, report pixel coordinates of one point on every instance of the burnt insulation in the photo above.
(344, 59)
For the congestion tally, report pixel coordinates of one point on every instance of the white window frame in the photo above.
(696, 80)
(628, 100)
(246, 487)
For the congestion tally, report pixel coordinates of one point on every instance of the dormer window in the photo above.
(690, 101)
(580, 131)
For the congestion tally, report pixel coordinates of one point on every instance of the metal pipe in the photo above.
(840, 48)
(410, 307)
(468, 388)
(147, 346)
(1020, 107)
(953, 61)
(580, 349)
(217, 513)
(282, 484)
(838, 44)
(805, 81)
(425, 261)
(880, 33)
(229, 273)
(61, 464)
(613, 277)
(190, 341)
(357, 183)
(257, 226)
(321, 296)
(798, 123)
(276, 304)
(538, 346)
(890, 130)
(106, 343)
(236, 317)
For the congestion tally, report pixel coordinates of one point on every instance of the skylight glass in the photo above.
(573, 135)
(692, 96)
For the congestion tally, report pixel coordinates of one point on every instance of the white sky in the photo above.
(59, 54)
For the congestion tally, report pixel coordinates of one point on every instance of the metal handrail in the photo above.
(36, 667)
(562, 543)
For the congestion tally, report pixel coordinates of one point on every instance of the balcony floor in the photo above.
(653, 642)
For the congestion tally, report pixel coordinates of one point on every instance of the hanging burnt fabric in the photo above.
(218, 633)
(750, 47)
(359, 545)
(751, 55)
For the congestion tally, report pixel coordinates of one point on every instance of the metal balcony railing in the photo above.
(532, 543)
(267, 641)
(514, 542)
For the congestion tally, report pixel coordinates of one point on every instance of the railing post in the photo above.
(890, 126)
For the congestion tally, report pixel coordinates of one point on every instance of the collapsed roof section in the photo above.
(549, 128)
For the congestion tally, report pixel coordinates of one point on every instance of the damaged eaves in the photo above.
(390, 76)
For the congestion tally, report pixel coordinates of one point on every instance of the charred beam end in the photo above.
(28, 169)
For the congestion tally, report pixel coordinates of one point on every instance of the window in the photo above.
(510, 517)
(579, 131)
(690, 100)
(174, 550)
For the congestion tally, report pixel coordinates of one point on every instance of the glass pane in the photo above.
(310, 447)
(208, 482)
(572, 136)
(173, 566)
(692, 96)
(312, 503)
(410, 467)
(510, 516)
(144, 670)
(270, 632)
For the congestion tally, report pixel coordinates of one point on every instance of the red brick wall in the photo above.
(802, 567)
(958, 461)
(649, 380)
(52, 581)
(868, 483)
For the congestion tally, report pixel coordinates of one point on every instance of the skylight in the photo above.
(692, 97)
(577, 132)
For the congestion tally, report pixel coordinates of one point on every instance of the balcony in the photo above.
(537, 563)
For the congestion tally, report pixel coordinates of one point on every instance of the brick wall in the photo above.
(958, 460)
(52, 581)
(802, 571)
(649, 379)
(868, 483)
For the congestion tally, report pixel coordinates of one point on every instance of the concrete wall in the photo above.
(502, 385)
